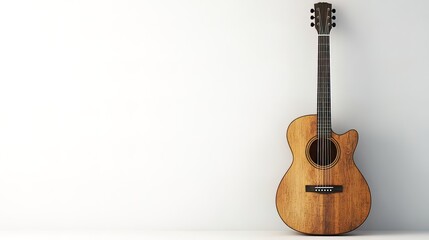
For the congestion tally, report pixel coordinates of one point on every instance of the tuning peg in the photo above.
(333, 17)
(333, 10)
(312, 17)
(334, 24)
(312, 10)
(312, 24)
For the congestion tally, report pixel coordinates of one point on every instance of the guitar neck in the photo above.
(324, 127)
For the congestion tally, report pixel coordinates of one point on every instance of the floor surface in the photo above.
(201, 235)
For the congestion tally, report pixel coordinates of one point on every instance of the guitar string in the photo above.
(319, 143)
(326, 108)
(324, 112)
(321, 114)
(322, 109)
(330, 115)
(328, 143)
(324, 138)
(318, 112)
(329, 110)
(319, 120)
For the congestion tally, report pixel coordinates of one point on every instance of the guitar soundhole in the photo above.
(322, 153)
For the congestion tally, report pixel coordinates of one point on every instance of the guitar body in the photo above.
(316, 212)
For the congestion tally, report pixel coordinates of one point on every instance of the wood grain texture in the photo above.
(316, 213)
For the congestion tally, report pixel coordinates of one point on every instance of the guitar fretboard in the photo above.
(323, 89)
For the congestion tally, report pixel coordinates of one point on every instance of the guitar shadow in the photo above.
(391, 152)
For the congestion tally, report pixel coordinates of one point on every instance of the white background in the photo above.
(171, 115)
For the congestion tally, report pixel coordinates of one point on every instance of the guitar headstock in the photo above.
(323, 17)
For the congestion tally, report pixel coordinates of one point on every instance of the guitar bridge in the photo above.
(324, 188)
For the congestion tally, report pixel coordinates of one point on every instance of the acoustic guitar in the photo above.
(323, 192)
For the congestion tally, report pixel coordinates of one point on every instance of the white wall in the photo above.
(171, 114)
